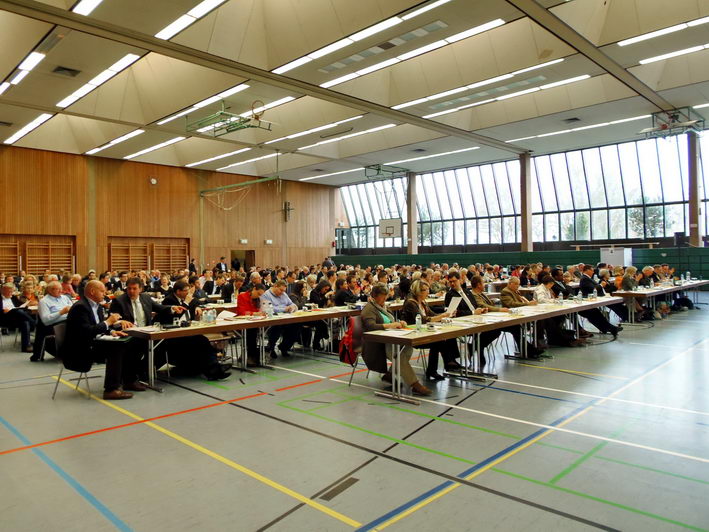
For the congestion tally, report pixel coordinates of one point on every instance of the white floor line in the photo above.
(541, 425)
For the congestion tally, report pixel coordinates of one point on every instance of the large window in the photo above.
(630, 190)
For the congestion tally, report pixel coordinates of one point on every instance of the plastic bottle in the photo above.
(688, 277)
(418, 322)
(681, 277)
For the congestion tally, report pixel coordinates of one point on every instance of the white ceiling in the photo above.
(267, 34)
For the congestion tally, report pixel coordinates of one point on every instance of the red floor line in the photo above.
(83, 434)
(298, 385)
(346, 374)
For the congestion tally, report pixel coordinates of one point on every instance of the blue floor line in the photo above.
(81, 490)
(413, 502)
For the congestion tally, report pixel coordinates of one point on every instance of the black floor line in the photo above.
(380, 454)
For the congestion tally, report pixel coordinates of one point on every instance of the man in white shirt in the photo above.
(53, 308)
(14, 315)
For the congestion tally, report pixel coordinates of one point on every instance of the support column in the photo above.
(412, 228)
(695, 209)
(525, 187)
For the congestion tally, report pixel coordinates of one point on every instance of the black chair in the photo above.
(59, 335)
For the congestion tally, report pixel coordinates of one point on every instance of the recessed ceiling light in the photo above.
(423, 9)
(31, 61)
(383, 25)
(85, 7)
(343, 137)
(19, 77)
(672, 54)
(116, 141)
(4, 86)
(41, 119)
(153, 148)
(216, 158)
(248, 161)
(330, 174)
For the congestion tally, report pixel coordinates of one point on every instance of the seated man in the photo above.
(347, 291)
(276, 296)
(647, 280)
(85, 324)
(196, 291)
(510, 296)
(216, 286)
(593, 315)
(15, 316)
(53, 309)
(232, 288)
(481, 300)
(191, 354)
(588, 286)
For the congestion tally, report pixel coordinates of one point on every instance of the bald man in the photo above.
(86, 323)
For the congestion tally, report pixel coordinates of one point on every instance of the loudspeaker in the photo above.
(680, 239)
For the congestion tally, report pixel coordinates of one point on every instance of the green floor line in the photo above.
(347, 400)
(215, 385)
(602, 501)
(496, 470)
(585, 457)
(652, 469)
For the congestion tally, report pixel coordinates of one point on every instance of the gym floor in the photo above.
(614, 437)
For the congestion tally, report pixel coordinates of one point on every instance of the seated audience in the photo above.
(588, 286)
(15, 315)
(249, 304)
(281, 303)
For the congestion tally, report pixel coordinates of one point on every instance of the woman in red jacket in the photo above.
(249, 304)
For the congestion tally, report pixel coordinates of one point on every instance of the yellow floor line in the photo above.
(513, 452)
(253, 474)
(572, 371)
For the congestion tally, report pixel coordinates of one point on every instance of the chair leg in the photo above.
(88, 388)
(57, 383)
(354, 368)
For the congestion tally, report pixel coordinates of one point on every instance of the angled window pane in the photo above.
(421, 199)
(649, 171)
(425, 234)
(442, 191)
(459, 232)
(536, 200)
(375, 202)
(583, 225)
(484, 231)
(674, 220)
(400, 194)
(669, 168)
(654, 222)
(488, 180)
(551, 227)
(704, 166)
(538, 228)
(431, 197)
(437, 234)
(370, 237)
(448, 238)
(513, 175)
(561, 178)
(611, 173)
(451, 183)
(577, 177)
(567, 226)
(594, 177)
(503, 188)
(357, 204)
(546, 183)
(466, 196)
(682, 147)
(636, 223)
(345, 195)
(599, 220)
(476, 187)
(630, 170)
(471, 227)
(617, 228)
(518, 228)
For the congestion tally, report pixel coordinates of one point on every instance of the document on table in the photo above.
(225, 315)
(147, 328)
(453, 306)
(396, 332)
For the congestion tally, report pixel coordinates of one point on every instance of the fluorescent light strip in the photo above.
(116, 141)
(41, 119)
(511, 95)
(31, 61)
(424, 9)
(471, 86)
(153, 148)
(99, 80)
(343, 137)
(663, 31)
(248, 161)
(331, 174)
(576, 129)
(267, 106)
(4, 86)
(702, 106)
(188, 19)
(403, 57)
(204, 103)
(85, 7)
(342, 43)
(434, 155)
(19, 77)
(315, 129)
(223, 156)
(673, 54)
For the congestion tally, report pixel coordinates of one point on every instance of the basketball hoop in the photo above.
(257, 104)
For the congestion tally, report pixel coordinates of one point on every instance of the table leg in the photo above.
(466, 372)
(152, 372)
(395, 392)
(243, 366)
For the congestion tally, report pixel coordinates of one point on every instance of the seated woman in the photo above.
(249, 304)
(402, 289)
(320, 296)
(28, 293)
(416, 305)
(630, 283)
(163, 288)
(526, 278)
(554, 327)
(375, 317)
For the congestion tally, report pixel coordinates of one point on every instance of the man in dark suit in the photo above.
(192, 267)
(235, 264)
(191, 354)
(86, 323)
(122, 282)
(232, 288)
(347, 291)
(14, 315)
(221, 265)
(588, 286)
(214, 287)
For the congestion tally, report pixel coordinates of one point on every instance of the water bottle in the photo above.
(418, 322)
(681, 277)
(233, 298)
(688, 277)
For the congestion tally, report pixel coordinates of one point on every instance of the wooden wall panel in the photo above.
(92, 199)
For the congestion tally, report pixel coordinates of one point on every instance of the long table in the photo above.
(155, 334)
(652, 293)
(475, 326)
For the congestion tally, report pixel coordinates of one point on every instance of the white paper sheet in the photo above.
(453, 306)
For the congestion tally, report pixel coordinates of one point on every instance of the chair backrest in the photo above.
(59, 335)
(357, 333)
